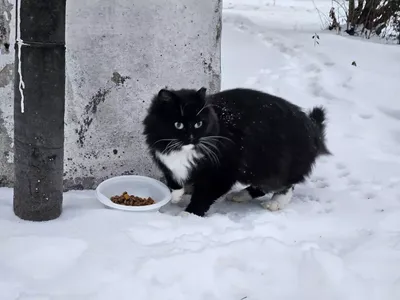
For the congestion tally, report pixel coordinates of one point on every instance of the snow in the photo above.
(391, 30)
(339, 239)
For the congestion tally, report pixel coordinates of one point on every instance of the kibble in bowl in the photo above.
(130, 200)
(133, 193)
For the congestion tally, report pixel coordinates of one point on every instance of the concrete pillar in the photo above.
(6, 92)
(119, 53)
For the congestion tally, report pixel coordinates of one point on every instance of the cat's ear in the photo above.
(202, 92)
(165, 95)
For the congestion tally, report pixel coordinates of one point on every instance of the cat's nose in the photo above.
(191, 138)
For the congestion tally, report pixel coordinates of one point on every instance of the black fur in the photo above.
(262, 140)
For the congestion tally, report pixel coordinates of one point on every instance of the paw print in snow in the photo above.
(320, 182)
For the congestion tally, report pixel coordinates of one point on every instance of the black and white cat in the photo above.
(238, 137)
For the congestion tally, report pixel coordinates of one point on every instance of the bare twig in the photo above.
(335, 24)
(320, 14)
(342, 7)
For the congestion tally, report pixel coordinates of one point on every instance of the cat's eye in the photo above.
(178, 125)
(198, 124)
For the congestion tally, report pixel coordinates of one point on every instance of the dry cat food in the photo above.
(129, 200)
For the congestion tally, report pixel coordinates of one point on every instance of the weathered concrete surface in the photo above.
(5, 25)
(119, 53)
(6, 93)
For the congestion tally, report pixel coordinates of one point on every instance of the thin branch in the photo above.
(320, 14)
(342, 7)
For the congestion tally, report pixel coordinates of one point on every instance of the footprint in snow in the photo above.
(344, 173)
(320, 182)
(317, 178)
(393, 113)
(394, 183)
(313, 69)
(366, 116)
(325, 211)
(396, 136)
(369, 195)
(340, 166)
(47, 256)
(329, 63)
(306, 198)
(322, 185)
(354, 182)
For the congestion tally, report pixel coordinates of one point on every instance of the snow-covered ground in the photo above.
(338, 240)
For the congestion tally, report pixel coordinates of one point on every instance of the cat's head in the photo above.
(179, 118)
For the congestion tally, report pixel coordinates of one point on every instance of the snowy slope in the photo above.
(338, 240)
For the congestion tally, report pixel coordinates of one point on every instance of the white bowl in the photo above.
(139, 186)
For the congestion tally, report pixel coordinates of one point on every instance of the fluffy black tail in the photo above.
(318, 116)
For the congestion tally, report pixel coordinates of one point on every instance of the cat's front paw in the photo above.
(241, 196)
(271, 205)
(184, 214)
(177, 195)
(278, 201)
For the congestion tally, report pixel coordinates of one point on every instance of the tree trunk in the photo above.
(39, 117)
(350, 20)
(357, 12)
(386, 11)
(368, 13)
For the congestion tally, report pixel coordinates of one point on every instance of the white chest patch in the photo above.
(180, 162)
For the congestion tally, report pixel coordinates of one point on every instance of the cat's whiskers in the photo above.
(171, 142)
(172, 146)
(208, 143)
(206, 104)
(215, 140)
(206, 152)
(211, 143)
(163, 140)
(217, 137)
(176, 146)
(201, 109)
(210, 153)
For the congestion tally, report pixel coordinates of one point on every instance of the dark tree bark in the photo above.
(371, 15)
(350, 20)
(39, 129)
(398, 30)
(385, 12)
(357, 12)
(368, 14)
